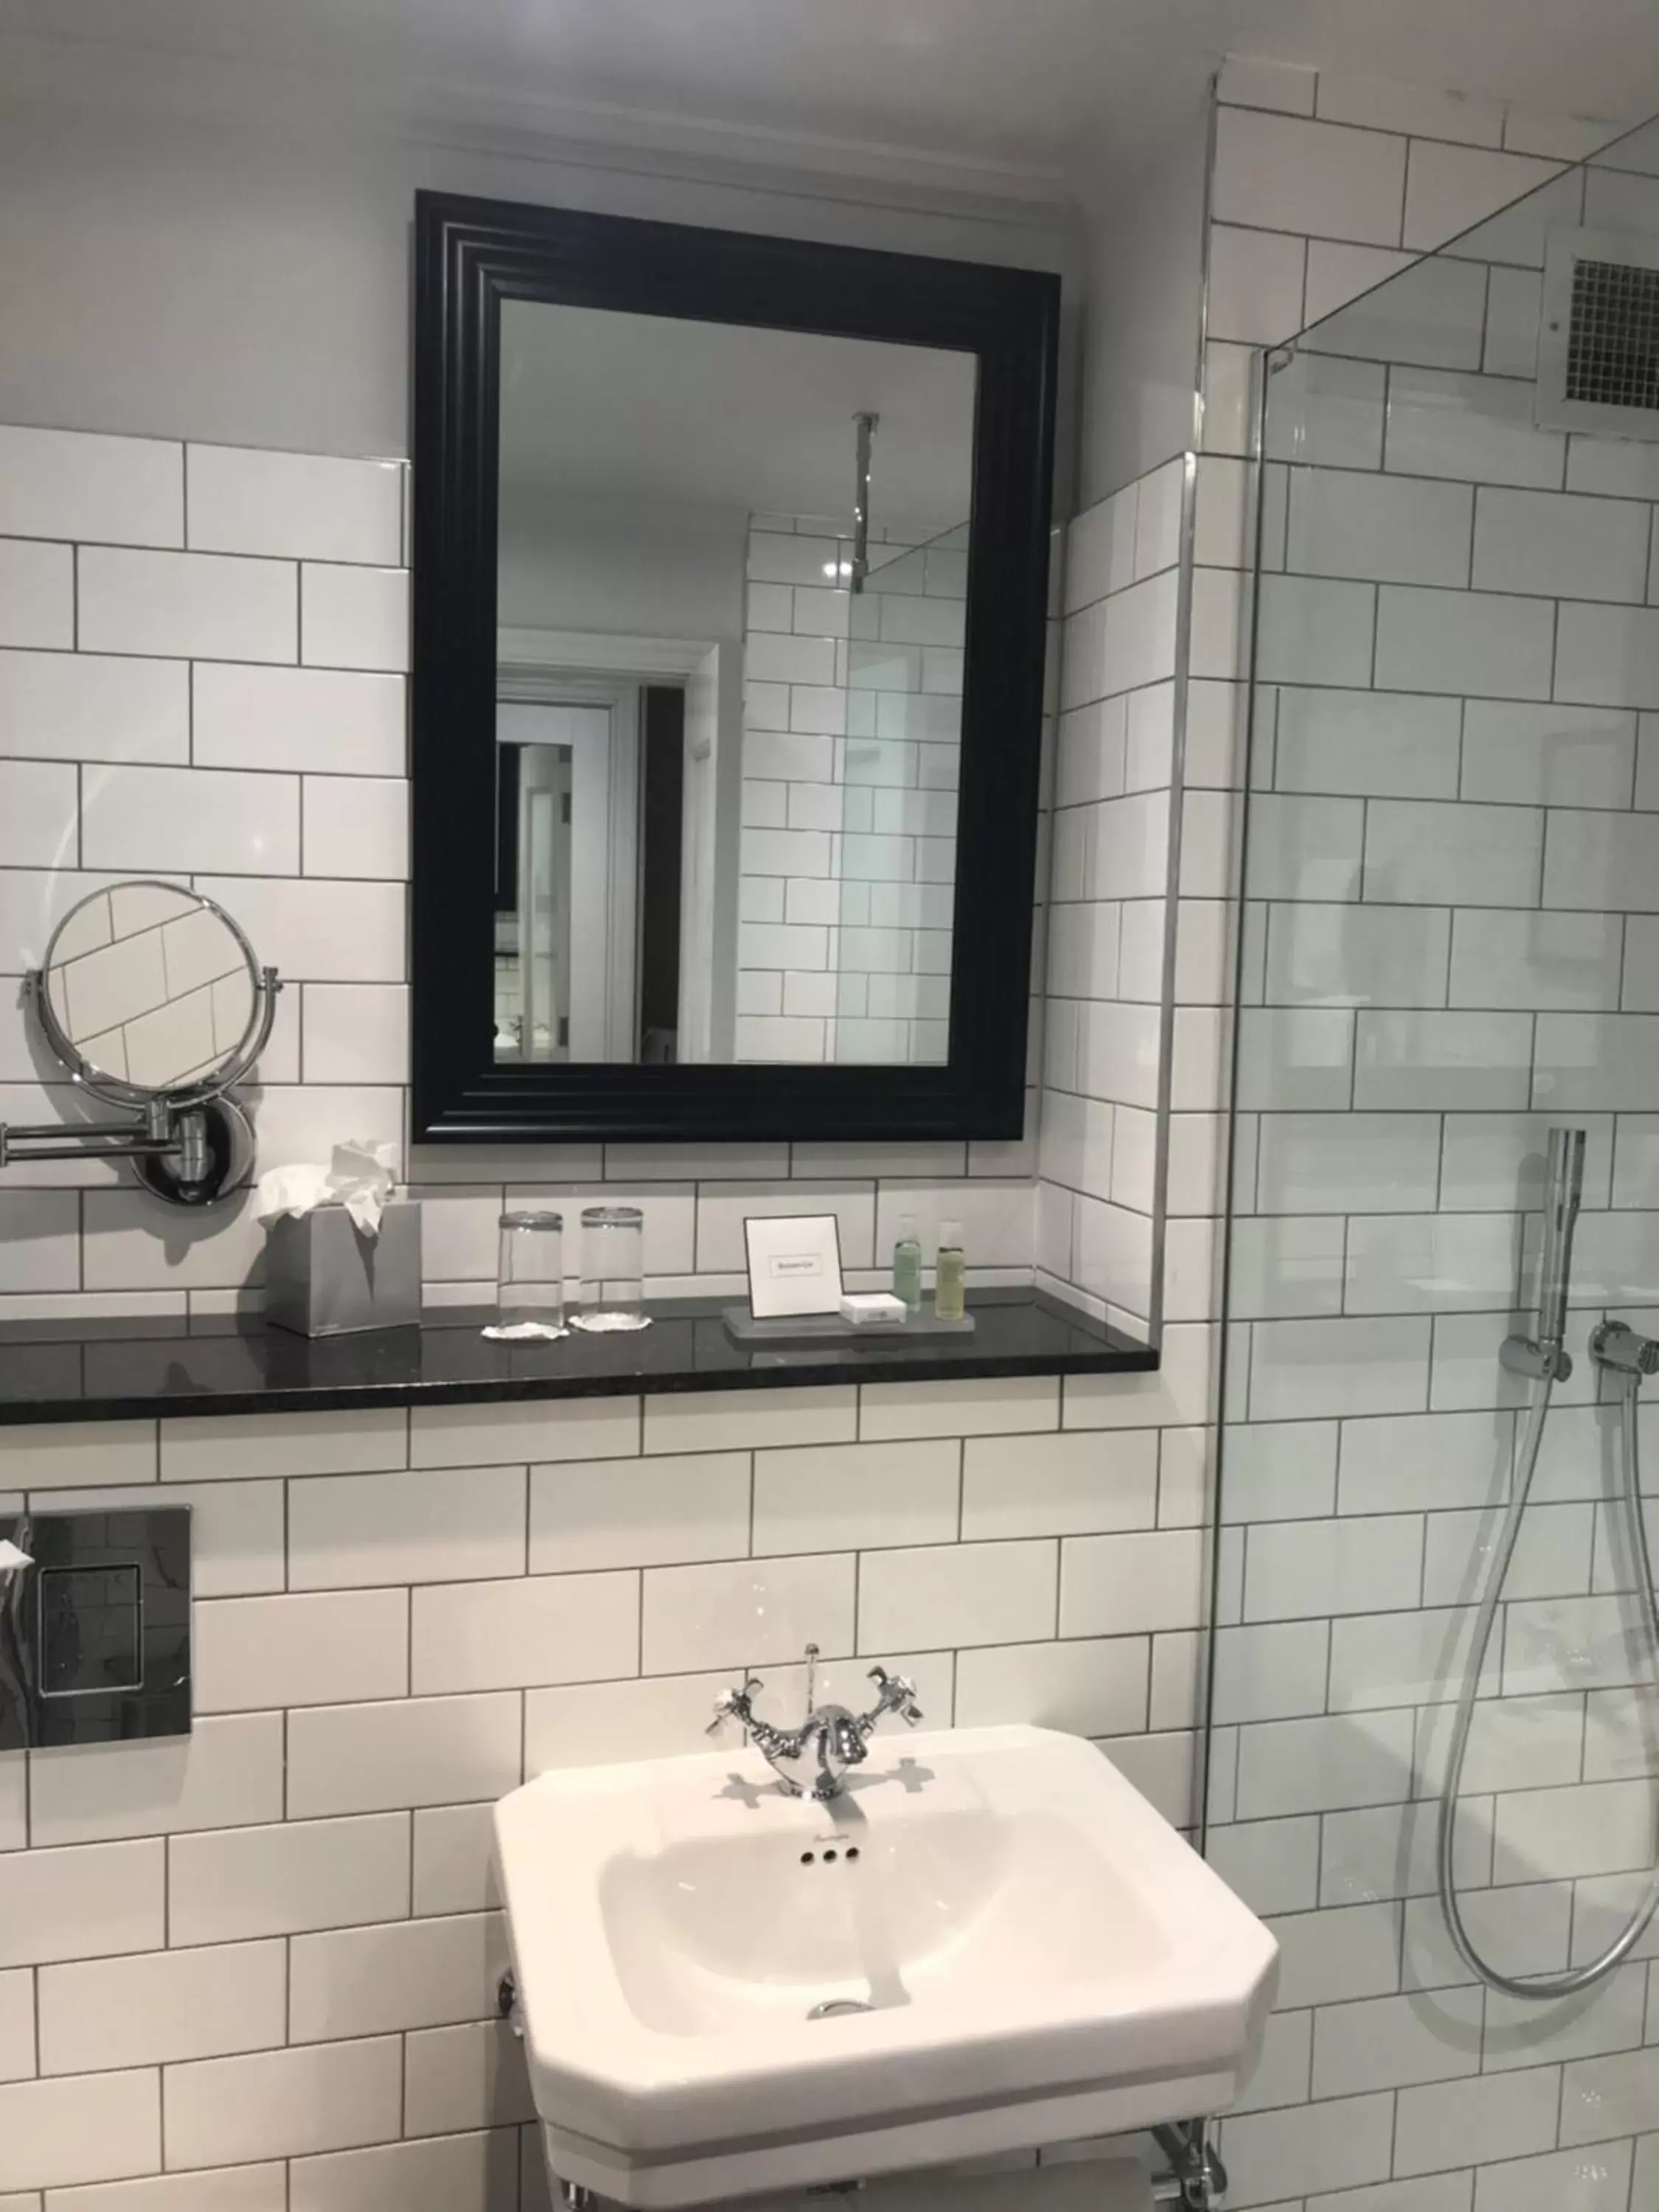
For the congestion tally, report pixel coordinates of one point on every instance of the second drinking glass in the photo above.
(613, 1269)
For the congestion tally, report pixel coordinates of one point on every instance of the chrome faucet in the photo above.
(812, 1760)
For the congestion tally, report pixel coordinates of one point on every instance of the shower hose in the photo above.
(1578, 1977)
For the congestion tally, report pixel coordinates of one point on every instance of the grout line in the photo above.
(1486, 321)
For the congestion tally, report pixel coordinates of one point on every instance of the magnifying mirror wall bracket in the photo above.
(189, 1143)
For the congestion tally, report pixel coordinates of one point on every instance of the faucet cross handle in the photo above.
(737, 1705)
(896, 1693)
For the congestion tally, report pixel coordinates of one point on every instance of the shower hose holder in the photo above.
(1539, 1360)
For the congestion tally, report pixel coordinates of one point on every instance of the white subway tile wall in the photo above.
(1451, 862)
(264, 1958)
(1117, 821)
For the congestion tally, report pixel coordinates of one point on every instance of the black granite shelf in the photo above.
(125, 1369)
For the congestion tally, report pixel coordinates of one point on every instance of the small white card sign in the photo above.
(795, 1265)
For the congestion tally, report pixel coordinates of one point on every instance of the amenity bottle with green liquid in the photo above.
(907, 1265)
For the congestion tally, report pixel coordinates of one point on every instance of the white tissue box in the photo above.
(322, 1278)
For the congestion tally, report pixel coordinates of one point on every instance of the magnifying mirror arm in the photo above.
(46, 1142)
(170, 1131)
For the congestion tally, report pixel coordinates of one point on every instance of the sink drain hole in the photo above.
(833, 2007)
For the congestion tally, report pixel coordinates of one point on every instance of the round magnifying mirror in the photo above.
(149, 991)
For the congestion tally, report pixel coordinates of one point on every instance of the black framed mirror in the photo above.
(730, 586)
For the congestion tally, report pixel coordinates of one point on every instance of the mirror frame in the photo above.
(470, 256)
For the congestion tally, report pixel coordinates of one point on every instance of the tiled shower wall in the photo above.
(1136, 1032)
(202, 652)
(1451, 862)
(851, 747)
(263, 1962)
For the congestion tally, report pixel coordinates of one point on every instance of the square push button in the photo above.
(90, 1637)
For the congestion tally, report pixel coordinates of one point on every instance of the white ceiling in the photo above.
(632, 408)
(1008, 84)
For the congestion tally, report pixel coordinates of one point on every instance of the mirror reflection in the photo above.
(732, 577)
(150, 986)
(151, 997)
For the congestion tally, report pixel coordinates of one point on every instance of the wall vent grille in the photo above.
(1612, 336)
(1598, 349)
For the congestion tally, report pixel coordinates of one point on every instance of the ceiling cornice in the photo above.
(139, 79)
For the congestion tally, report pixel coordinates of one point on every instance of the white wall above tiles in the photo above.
(246, 281)
(1144, 282)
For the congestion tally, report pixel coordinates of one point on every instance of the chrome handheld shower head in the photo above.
(1544, 1357)
(1564, 1189)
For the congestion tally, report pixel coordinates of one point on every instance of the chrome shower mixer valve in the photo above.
(812, 1760)
(1619, 1348)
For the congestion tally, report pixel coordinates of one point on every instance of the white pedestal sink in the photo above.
(991, 1941)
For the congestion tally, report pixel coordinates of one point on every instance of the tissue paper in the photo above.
(11, 1558)
(359, 1177)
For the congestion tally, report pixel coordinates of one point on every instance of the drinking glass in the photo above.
(613, 1267)
(530, 1275)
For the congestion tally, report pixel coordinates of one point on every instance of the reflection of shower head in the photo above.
(1564, 1187)
(867, 426)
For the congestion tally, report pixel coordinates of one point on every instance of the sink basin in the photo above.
(991, 1941)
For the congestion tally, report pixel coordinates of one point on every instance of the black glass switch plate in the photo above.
(94, 1637)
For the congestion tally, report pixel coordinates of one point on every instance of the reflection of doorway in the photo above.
(593, 842)
(566, 989)
(544, 904)
(663, 840)
(661, 927)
